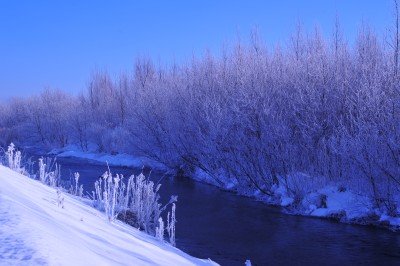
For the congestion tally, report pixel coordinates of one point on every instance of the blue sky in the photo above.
(58, 44)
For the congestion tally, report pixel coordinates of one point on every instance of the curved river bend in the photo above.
(230, 229)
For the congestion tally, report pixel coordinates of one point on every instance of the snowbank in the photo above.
(36, 230)
(343, 205)
(326, 201)
(121, 159)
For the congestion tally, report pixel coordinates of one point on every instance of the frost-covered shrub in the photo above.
(171, 225)
(75, 189)
(42, 171)
(143, 200)
(160, 230)
(171, 221)
(13, 157)
(107, 195)
(49, 172)
(136, 202)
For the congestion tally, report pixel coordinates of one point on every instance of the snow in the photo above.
(390, 220)
(120, 159)
(346, 206)
(36, 231)
(283, 195)
(345, 202)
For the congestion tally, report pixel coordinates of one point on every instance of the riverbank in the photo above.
(41, 226)
(331, 201)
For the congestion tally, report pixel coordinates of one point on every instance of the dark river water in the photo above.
(230, 229)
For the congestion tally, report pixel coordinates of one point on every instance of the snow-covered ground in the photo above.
(36, 230)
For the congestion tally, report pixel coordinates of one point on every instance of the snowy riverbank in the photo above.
(332, 202)
(120, 159)
(317, 199)
(36, 230)
(328, 201)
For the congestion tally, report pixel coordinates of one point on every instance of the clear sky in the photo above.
(58, 44)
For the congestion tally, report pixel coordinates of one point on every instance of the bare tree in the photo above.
(394, 40)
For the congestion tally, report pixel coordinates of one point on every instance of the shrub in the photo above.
(47, 175)
(136, 202)
(160, 230)
(75, 189)
(13, 157)
(171, 225)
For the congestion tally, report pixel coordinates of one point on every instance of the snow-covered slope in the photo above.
(34, 230)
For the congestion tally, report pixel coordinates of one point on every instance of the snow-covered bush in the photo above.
(42, 170)
(171, 225)
(13, 157)
(171, 221)
(136, 202)
(143, 200)
(107, 195)
(49, 172)
(160, 230)
(75, 189)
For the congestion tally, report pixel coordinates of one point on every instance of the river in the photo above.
(230, 229)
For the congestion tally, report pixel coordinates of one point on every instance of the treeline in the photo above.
(307, 114)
